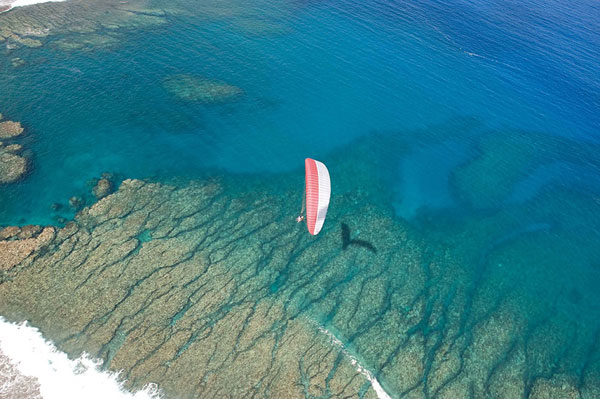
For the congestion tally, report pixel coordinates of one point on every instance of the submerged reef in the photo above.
(87, 42)
(201, 320)
(89, 23)
(10, 129)
(103, 187)
(197, 88)
(13, 166)
(505, 158)
(96, 24)
(209, 288)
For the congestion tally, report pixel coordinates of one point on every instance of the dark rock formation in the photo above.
(102, 188)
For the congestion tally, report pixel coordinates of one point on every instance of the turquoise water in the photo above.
(324, 76)
(488, 112)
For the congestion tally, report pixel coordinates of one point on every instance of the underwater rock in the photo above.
(10, 129)
(12, 167)
(197, 88)
(17, 62)
(87, 42)
(14, 148)
(76, 203)
(28, 42)
(102, 188)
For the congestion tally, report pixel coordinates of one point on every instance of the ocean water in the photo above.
(474, 125)
(334, 73)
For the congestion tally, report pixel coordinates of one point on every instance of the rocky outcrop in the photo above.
(102, 188)
(76, 203)
(13, 166)
(9, 129)
(19, 243)
(197, 88)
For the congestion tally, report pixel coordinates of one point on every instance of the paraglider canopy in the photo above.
(317, 192)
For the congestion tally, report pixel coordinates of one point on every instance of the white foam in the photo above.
(381, 393)
(23, 3)
(58, 376)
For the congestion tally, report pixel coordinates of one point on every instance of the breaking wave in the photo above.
(381, 393)
(31, 367)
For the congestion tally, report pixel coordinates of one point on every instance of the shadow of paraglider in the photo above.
(347, 241)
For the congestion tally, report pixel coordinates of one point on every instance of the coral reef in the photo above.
(12, 165)
(87, 42)
(102, 188)
(206, 321)
(196, 88)
(10, 129)
(209, 288)
(19, 243)
(93, 24)
(29, 26)
(505, 158)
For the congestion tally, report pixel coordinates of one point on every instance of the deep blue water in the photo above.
(337, 71)
(516, 84)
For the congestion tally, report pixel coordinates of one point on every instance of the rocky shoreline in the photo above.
(5, 5)
(14, 384)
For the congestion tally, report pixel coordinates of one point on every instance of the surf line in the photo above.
(58, 376)
(381, 393)
(7, 6)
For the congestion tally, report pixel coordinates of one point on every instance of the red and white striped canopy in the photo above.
(318, 191)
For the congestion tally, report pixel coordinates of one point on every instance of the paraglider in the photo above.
(317, 190)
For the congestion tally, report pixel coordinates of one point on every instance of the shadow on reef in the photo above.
(347, 241)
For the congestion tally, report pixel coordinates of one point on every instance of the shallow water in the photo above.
(472, 126)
